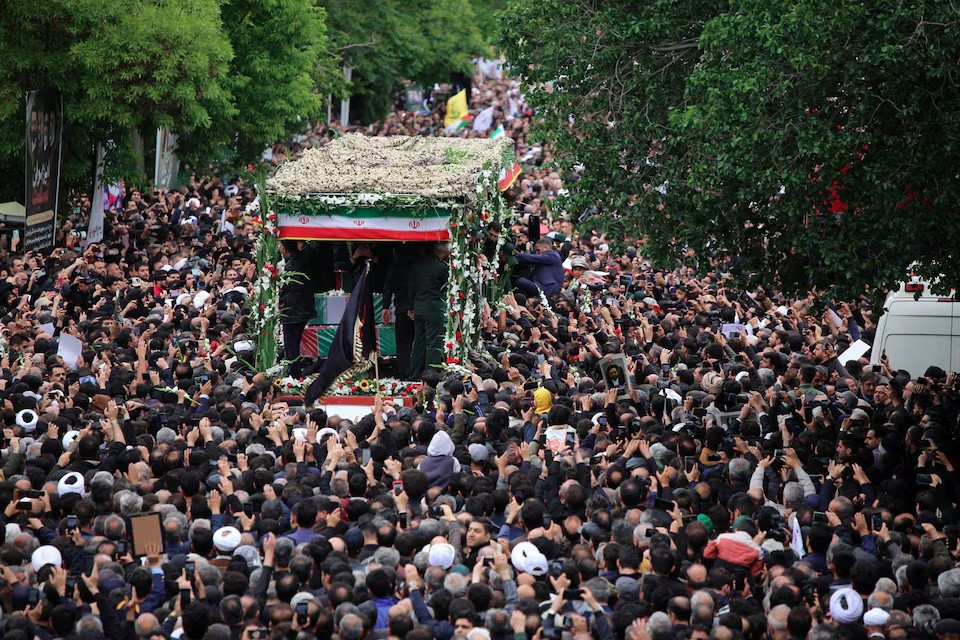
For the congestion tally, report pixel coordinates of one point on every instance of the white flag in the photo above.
(484, 120)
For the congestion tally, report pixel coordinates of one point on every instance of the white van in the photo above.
(916, 334)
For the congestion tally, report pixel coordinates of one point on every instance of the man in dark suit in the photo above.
(547, 271)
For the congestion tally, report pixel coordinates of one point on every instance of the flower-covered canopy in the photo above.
(432, 168)
(397, 188)
(385, 188)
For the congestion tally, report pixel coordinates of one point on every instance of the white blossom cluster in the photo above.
(434, 168)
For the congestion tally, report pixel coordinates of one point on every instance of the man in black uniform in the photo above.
(429, 307)
(296, 301)
(396, 290)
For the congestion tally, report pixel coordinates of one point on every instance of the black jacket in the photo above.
(296, 294)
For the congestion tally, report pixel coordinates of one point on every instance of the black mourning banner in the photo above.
(44, 133)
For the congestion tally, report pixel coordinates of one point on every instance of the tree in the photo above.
(126, 67)
(282, 69)
(120, 66)
(814, 145)
(386, 42)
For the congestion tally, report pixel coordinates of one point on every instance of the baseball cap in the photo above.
(627, 588)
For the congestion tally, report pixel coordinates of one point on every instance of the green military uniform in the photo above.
(429, 303)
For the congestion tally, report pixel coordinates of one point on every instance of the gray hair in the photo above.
(433, 577)
(702, 609)
(456, 584)
(777, 618)
(200, 523)
(948, 583)
(255, 450)
(114, 527)
(622, 532)
(169, 511)
(600, 589)
(343, 610)
(739, 469)
(448, 500)
(823, 632)
(837, 548)
(166, 435)
(130, 503)
(926, 617)
(89, 623)
(340, 487)
(351, 627)
(880, 600)
(792, 494)
(387, 556)
(102, 480)
(180, 526)
(899, 619)
(659, 625)
(901, 576)
(284, 551)
(887, 585)
(209, 575)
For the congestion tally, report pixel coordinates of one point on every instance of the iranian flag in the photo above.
(366, 224)
(508, 176)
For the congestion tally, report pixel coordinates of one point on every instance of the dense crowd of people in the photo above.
(739, 482)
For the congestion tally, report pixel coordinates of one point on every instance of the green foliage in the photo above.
(388, 41)
(485, 16)
(815, 142)
(119, 65)
(281, 56)
(134, 65)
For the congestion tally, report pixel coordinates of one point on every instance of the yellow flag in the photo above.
(456, 108)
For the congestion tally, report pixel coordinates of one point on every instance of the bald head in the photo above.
(696, 576)
(146, 625)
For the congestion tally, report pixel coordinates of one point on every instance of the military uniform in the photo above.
(428, 301)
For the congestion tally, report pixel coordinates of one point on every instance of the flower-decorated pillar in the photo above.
(264, 302)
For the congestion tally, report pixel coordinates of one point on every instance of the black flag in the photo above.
(355, 343)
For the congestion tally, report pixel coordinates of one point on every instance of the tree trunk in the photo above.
(138, 150)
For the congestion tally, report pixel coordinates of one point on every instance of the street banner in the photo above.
(44, 127)
(95, 227)
(166, 165)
